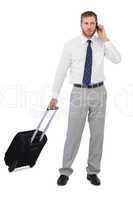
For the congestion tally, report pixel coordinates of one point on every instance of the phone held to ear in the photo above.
(98, 28)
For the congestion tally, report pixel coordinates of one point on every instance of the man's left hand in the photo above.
(102, 33)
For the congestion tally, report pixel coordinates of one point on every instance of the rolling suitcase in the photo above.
(27, 145)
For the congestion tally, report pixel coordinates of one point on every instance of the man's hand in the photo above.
(52, 104)
(101, 33)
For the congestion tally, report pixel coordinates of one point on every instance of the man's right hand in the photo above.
(52, 104)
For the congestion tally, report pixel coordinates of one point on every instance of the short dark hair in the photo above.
(89, 14)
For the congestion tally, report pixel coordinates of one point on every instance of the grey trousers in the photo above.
(85, 102)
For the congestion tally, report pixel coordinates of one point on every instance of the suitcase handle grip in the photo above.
(36, 131)
(56, 108)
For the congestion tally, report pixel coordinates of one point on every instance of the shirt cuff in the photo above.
(107, 43)
(54, 95)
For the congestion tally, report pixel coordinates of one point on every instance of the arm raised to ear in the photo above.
(111, 53)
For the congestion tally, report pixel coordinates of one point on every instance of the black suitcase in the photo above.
(26, 146)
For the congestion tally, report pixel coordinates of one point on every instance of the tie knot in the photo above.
(89, 42)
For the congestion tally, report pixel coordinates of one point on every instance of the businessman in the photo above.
(84, 57)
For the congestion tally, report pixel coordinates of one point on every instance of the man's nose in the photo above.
(89, 26)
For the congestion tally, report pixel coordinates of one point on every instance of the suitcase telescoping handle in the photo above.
(37, 129)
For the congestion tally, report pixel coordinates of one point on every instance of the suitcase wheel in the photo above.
(32, 164)
(12, 166)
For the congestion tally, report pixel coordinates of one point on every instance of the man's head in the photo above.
(88, 23)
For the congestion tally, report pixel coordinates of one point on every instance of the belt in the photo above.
(89, 86)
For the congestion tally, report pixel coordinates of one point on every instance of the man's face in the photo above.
(88, 26)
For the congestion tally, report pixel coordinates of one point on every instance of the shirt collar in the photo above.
(84, 38)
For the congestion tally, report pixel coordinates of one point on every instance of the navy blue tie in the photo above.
(88, 65)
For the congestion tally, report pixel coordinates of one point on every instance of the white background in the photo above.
(32, 34)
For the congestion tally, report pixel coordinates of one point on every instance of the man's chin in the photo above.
(88, 34)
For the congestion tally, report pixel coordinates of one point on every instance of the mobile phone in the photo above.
(98, 28)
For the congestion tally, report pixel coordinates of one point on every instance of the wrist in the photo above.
(55, 99)
(106, 39)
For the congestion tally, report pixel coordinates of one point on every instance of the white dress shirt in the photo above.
(73, 57)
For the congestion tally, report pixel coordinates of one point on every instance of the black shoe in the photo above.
(62, 180)
(93, 178)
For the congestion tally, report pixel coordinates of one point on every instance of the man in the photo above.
(84, 56)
